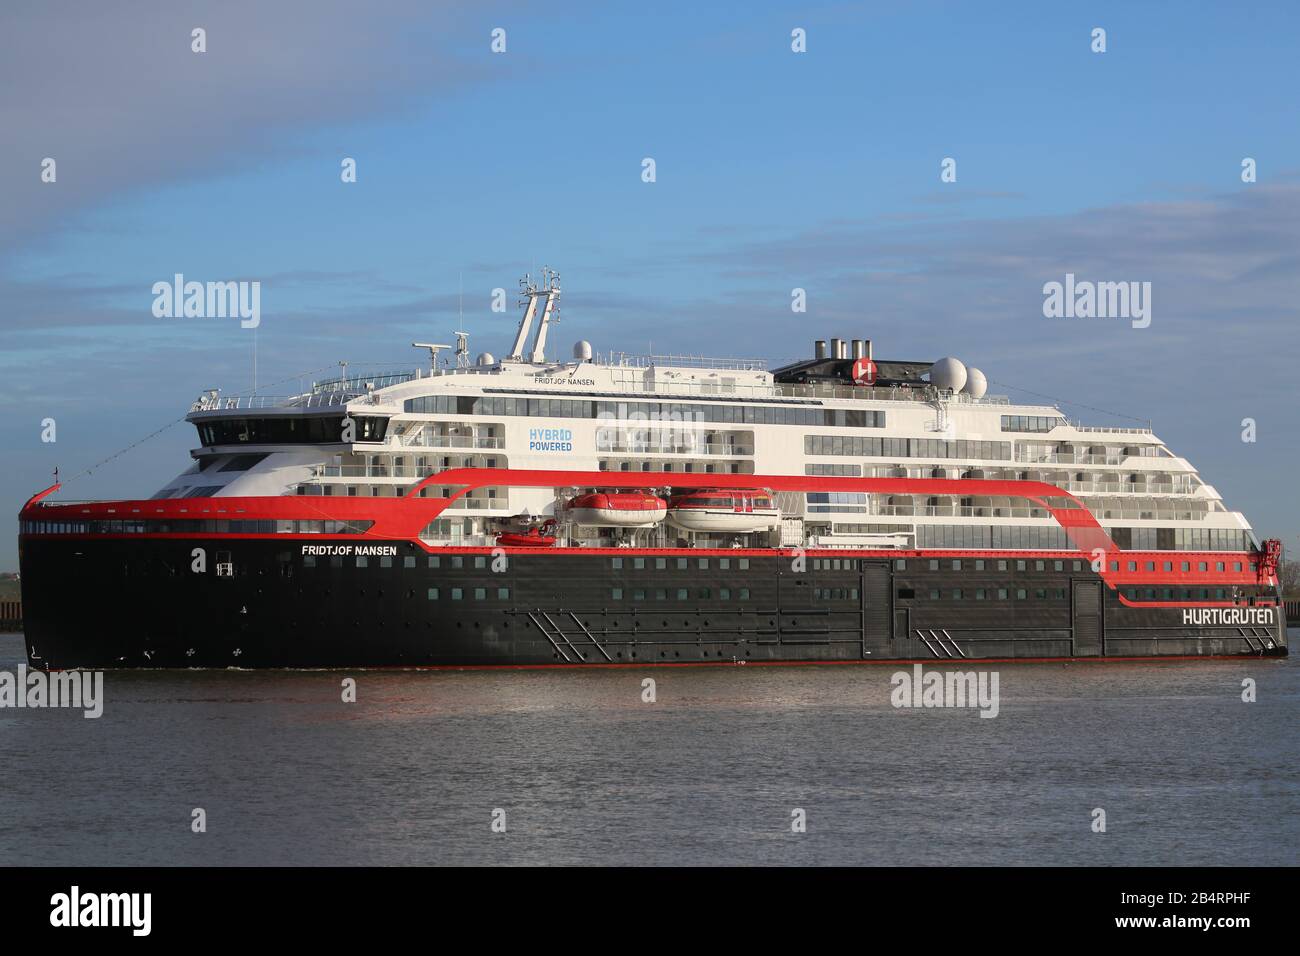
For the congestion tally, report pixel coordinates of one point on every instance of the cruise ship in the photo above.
(623, 510)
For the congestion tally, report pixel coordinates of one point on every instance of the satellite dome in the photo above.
(582, 351)
(976, 383)
(948, 373)
(485, 358)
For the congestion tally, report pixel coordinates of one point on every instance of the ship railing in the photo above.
(637, 448)
(869, 393)
(481, 504)
(1057, 459)
(232, 403)
(633, 360)
(359, 384)
(448, 441)
(1111, 429)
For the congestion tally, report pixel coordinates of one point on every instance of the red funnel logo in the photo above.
(864, 371)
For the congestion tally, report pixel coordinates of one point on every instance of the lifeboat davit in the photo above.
(540, 536)
(735, 510)
(617, 509)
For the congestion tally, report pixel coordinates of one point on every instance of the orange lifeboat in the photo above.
(733, 510)
(540, 536)
(617, 509)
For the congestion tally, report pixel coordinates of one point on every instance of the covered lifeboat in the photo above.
(617, 509)
(735, 510)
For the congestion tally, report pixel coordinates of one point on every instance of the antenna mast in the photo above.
(531, 297)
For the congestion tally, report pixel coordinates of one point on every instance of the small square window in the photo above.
(743, 594)
(661, 594)
(702, 564)
(1002, 594)
(683, 594)
(1058, 565)
(724, 594)
(616, 594)
(900, 564)
(742, 563)
(934, 594)
(1040, 565)
(480, 561)
(980, 594)
(979, 565)
(638, 594)
(1002, 565)
(724, 563)
(956, 564)
(1020, 565)
(1021, 594)
(457, 594)
(956, 594)
(408, 561)
(433, 594)
(503, 594)
(616, 562)
(434, 561)
(638, 564)
(458, 562)
(480, 594)
(682, 564)
(362, 561)
(386, 561)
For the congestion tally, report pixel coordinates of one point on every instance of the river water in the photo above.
(583, 770)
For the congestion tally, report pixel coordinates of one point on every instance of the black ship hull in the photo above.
(320, 603)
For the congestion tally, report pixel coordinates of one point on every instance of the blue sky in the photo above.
(775, 170)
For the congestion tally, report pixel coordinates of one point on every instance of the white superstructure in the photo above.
(622, 413)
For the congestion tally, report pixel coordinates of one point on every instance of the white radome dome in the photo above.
(948, 373)
(976, 383)
(582, 351)
(486, 358)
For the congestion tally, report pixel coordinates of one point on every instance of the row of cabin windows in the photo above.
(906, 447)
(681, 564)
(1030, 423)
(737, 413)
(459, 594)
(982, 564)
(681, 594)
(195, 526)
(1185, 566)
(986, 594)
(478, 561)
(1175, 594)
(722, 564)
